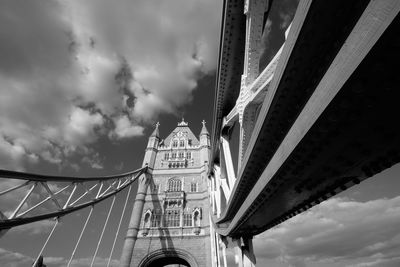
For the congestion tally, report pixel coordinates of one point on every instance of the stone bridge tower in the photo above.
(175, 226)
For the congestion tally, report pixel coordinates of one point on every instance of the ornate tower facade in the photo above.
(174, 226)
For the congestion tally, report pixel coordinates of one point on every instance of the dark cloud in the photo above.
(34, 35)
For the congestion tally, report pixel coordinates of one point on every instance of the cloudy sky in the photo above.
(75, 72)
(82, 84)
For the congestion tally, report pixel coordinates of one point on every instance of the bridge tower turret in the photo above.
(152, 148)
(134, 223)
(204, 144)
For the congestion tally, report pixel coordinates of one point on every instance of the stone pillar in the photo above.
(224, 244)
(134, 222)
(217, 250)
(245, 252)
(213, 247)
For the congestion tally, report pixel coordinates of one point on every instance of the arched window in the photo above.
(156, 219)
(181, 143)
(187, 220)
(193, 187)
(175, 143)
(196, 218)
(172, 218)
(174, 185)
(146, 221)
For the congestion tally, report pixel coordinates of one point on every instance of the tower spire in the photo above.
(156, 132)
(204, 128)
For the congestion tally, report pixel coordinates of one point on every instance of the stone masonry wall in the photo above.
(197, 246)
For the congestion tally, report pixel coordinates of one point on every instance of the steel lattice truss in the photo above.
(43, 197)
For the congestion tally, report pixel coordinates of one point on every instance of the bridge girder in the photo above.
(324, 125)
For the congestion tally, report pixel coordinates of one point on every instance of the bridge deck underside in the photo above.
(323, 32)
(356, 137)
(230, 63)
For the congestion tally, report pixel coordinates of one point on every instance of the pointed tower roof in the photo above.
(156, 132)
(184, 128)
(204, 128)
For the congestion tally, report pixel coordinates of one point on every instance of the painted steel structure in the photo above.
(68, 194)
(318, 119)
(52, 197)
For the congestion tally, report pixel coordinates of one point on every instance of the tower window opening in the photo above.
(187, 220)
(172, 218)
(193, 187)
(174, 185)
(156, 220)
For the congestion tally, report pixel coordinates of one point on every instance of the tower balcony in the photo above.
(177, 162)
(174, 195)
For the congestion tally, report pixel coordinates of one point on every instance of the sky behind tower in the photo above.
(82, 84)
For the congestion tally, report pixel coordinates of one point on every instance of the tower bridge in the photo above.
(319, 118)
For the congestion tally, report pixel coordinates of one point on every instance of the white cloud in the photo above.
(93, 161)
(14, 259)
(336, 230)
(39, 227)
(74, 71)
(168, 45)
(124, 128)
(11, 155)
(83, 262)
(81, 126)
(75, 167)
(380, 262)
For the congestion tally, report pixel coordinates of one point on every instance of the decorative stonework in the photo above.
(175, 214)
(183, 123)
